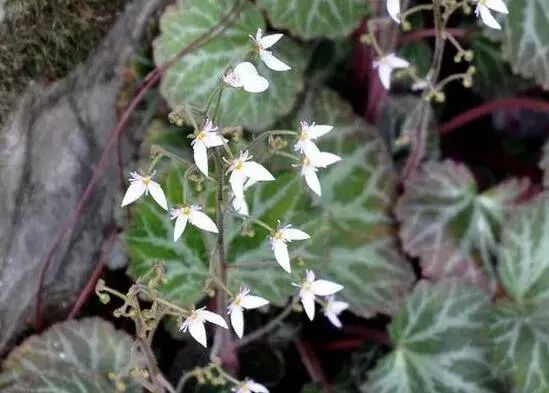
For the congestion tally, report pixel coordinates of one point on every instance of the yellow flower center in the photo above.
(186, 211)
(238, 165)
(304, 135)
(201, 136)
(194, 315)
(306, 161)
(237, 300)
(278, 235)
(146, 180)
(307, 285)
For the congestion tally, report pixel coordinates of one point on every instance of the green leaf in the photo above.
(76, 355)
(314, 18)
(526, 42)
(193, 79)
(448, 225)
(440, 345)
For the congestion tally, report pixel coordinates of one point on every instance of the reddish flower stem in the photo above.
(312, 364)
(428, 33)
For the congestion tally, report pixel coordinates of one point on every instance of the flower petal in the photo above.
(256, 171)
(294, 234)
(308, 301)
(244, 69)
(338, 306)
(135, 190)
(397, 62)
(250, 302)
(257, 387)
(201, 156)
(237, 320)
(487, 17)
(198, 332)
(384, 72)
(240, 206)
(270, 40)
(214, 140)
(324, 159)
(213, 318)
(272, 62)
(316, 131)
(312, 181)
(332, 317)
(202, 221)
(497, 5)
(237, 180)
(393, 8)
(157, 194)
(255, 84)
(281, 255)
(180, 224)
(325, 287)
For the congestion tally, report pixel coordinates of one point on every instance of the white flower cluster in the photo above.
(244, 172)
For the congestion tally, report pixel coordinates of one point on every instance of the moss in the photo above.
(43, 40)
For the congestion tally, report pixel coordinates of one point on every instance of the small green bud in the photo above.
(117, 313)
(467, 82)
(457, 57)
(104, 298)
(406, 26)
(468, 55)
(471, 70)
(440, 97)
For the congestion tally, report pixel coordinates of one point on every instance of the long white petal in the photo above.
(213, 318)
(250, 302)
(487, 17)
(308, 301)
(294, 234)
(397, 62)
(135, 190)
(319, 130)
(270, 40)
(202, 221)
(180, 224)
(310, 149)
(255, 84)
(244, 69)
(272, 62)
(325, 287)
(257, 387)
(324, 159)
(312, 181)
(213, 139)
(237, 320)
(281, 255)
(393, 8)
(384, 72)
(240, 206)
(157, 194)
(498, 6)
(256, 171)
(237, 180)
(198, 332)
(201, 156)
(333, 319)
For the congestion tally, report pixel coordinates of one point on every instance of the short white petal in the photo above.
(213, 318)
(393, 8)
(310, 149)
(250, 302)
(249, 183)
(384, 72)
(319, 130)
(325, 287)
(312, 181)
(257, 387)
(213, 139)
(256, 171)
(201, 156)
(255, 84)
(270, 40)
(397, 62)
(272, 62)
(135, 190)
(157, 194)
(281, 254)
(324, 159)
(198, 332)
(333, 319)
(202, 221)
(244, 69)
(498, 6)
(237, 320)
(180, 224)
(338, 306)
(308, 301)
(294, 234)
(237, 180)
(487, 17)
(240, 206)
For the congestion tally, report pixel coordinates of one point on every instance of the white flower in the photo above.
(278, 243)
(240, 205)
(307, 135)
(310, 166)
(249, 386)
(311, 288)
(206, 138)
(261, 44)
(483, 9)
(393, 8)
(245, 76)
(195, 324)
(243, 301)
(243, 169)
(194, 216)
(140, 185)
(333, 308)
(386, 65)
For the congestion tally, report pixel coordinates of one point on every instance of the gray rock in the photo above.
(48, 150)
